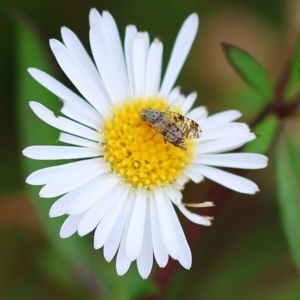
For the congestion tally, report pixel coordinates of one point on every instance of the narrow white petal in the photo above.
(70, 225)
(79, 81)
(178, 101)
(59, 207)
(173, 96)
(107, 223)
(97, 211)
(130, 34)
(70, 182)
(59, 152)
(123, 262)
(113, 241)
(159, 249)
(94, 17)
(185, 257)
(166, 226)
(77, 141)
(180, 51)
(220, 119)
(145, 259)
(116, 47)
(93, 90)
(107, 51)
(62, 123)
(195, 218)
(83, 62)
(227, 130)
(69, 97)
(136, 227)
(102, 59)
(81, 116)
(224, 144)
(49, 174)
(188, 102)
(193, 173)
(97, 189)
(231, 181)
(198, 114)
(153, 71)
(139, 54)
(234, 160)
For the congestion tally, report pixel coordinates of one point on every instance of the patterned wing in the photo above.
(171, 132)
(189, 128)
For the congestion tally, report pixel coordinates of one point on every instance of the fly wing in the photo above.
(189, 128)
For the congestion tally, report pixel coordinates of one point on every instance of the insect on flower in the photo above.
(174, 127)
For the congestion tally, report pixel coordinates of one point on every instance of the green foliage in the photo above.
(250, 70)
(265, 132)
(288, 184)
(294, 77)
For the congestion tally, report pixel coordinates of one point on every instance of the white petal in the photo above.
(103, 59)
(195, 218)
(159, 249)
(192, 172)
(59, 207)
(70, 182)
(79, 81)
(173, 96)
(198, 114)
(139, 54)
(219, 119)
(180, 51)
(112, 243)
(231, 181)
(84, 62)
(178, 101)
(123, 262)
(70, 225)
(70, 99)
(77, 141)
(185, 257)
(107, 223)
(62, 123)
(188, 102)
(59, 152)
(136, 227)
(153, 72)
(234, 160)
(97, 189)
(107, 51)
(46, 175)
(116, 47)
(145, 259)
(130, 34)
(96, 212)
(166, 226)
(82, 116)
(224, 144)
(227, 130)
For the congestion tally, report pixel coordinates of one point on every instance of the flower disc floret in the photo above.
(138, 152)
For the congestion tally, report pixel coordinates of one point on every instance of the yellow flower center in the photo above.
(137, 151)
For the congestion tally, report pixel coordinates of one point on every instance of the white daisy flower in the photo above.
(126, 179)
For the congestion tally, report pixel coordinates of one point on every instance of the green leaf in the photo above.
(287, 157)
(250, 71)
(77, 253)
(294, 75)
(265, 132)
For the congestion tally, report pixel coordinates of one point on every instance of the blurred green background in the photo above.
(253, 248)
